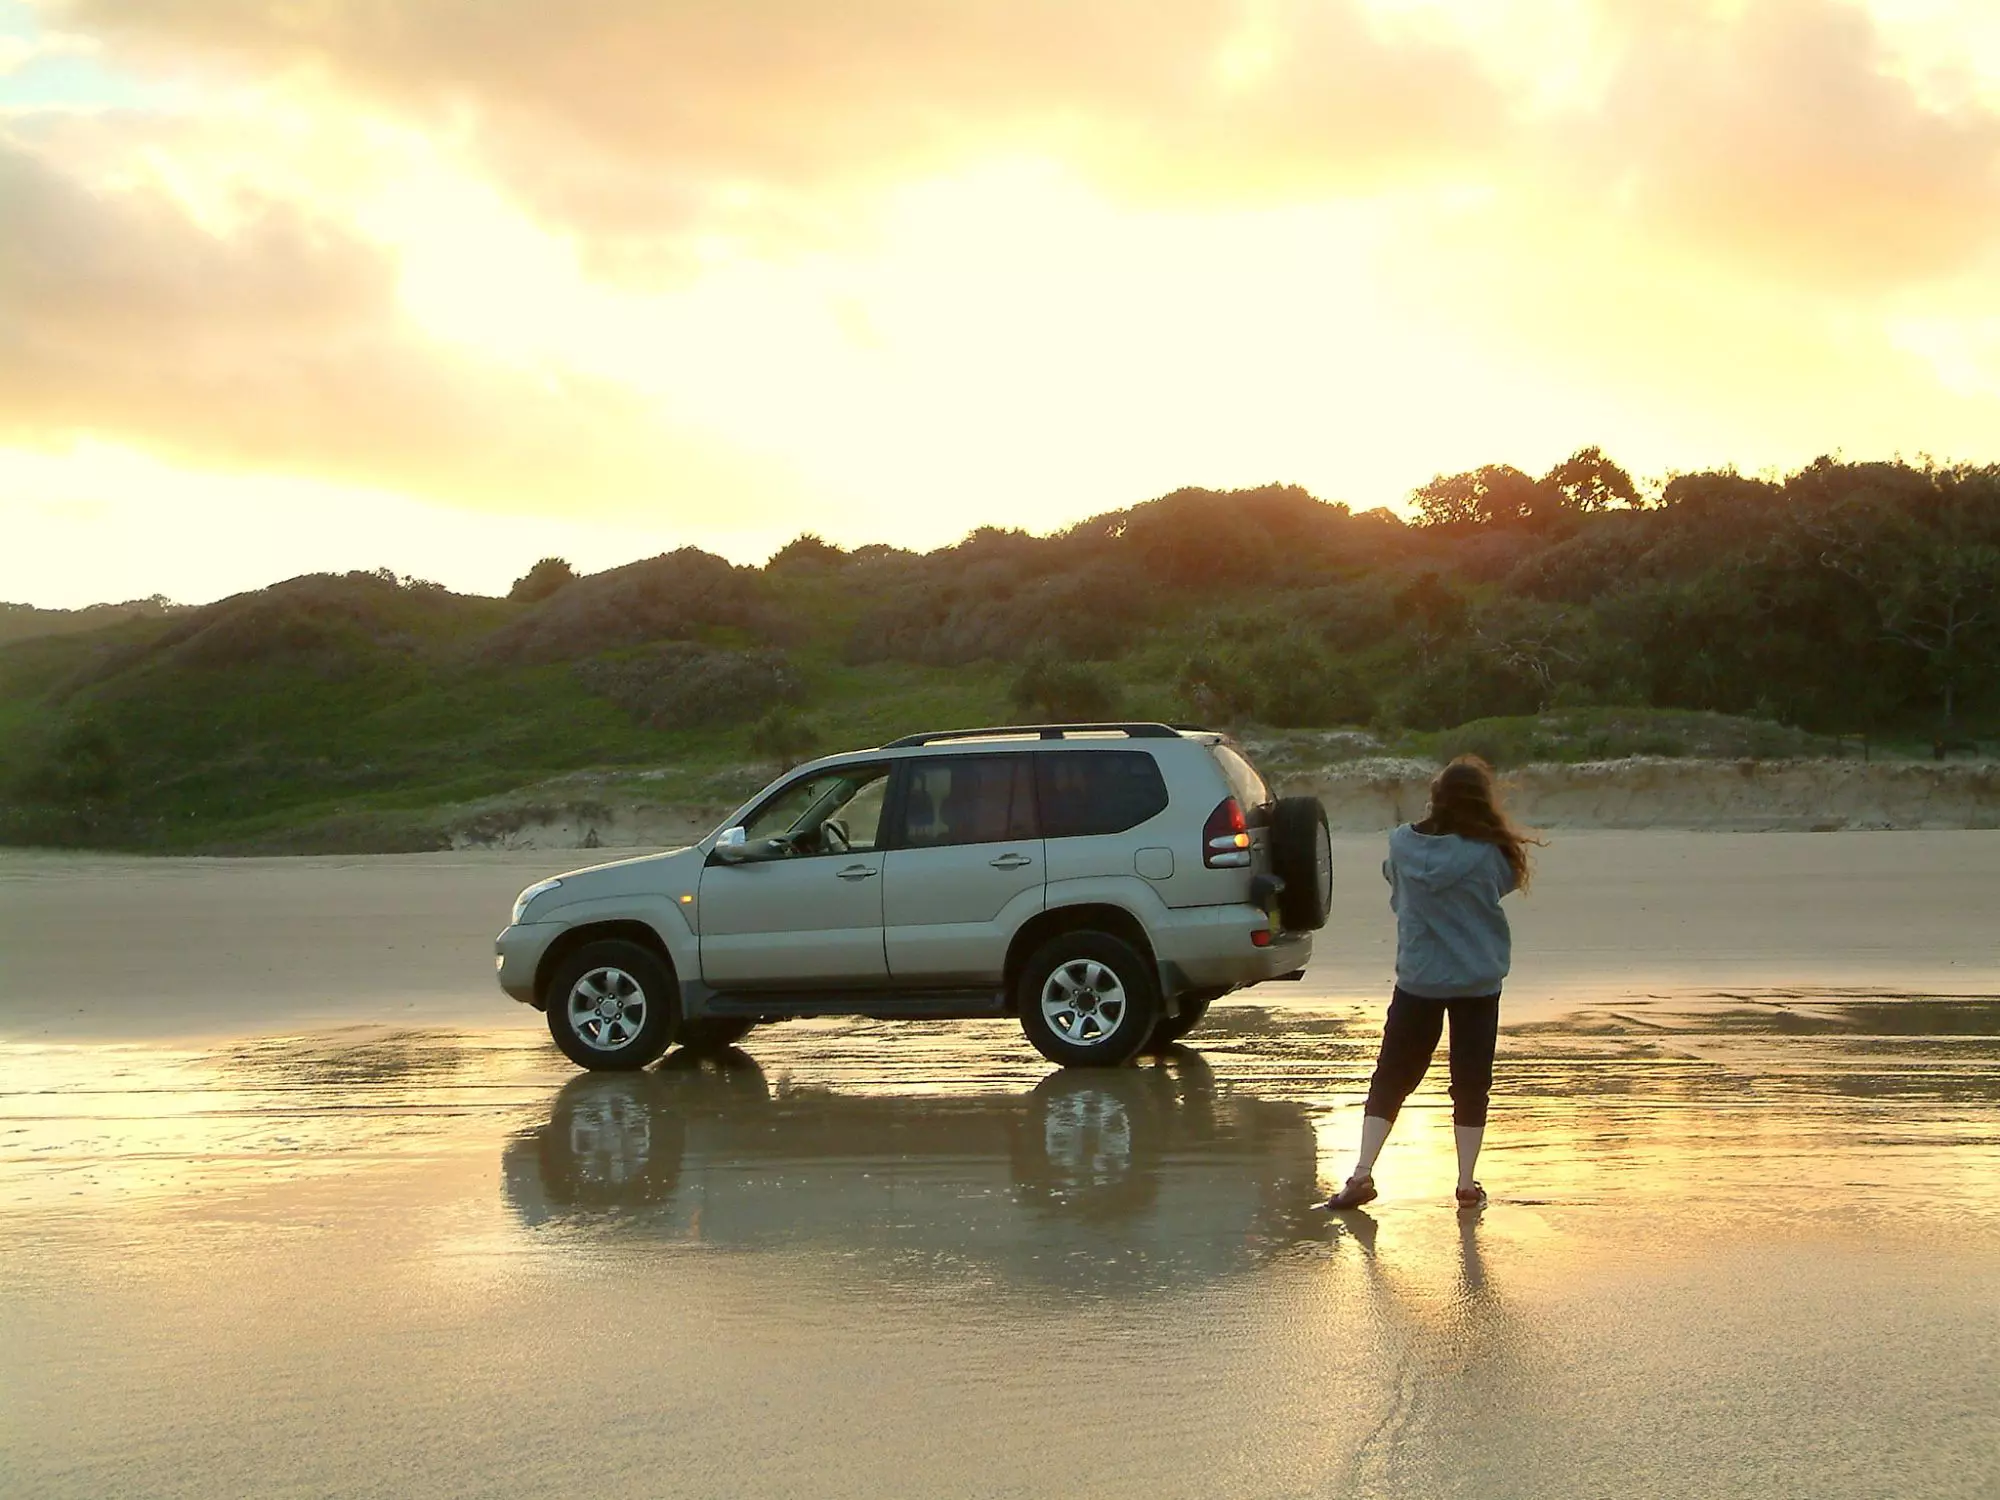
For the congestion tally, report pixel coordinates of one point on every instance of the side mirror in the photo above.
(732, 846)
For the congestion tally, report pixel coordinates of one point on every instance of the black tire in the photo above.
(712, 1033)
(1170, 1029)
(1114, 972)
(638, 1006)
(1302, 857)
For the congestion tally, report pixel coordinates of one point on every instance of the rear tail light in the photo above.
(1225, 838)
(1260, 937)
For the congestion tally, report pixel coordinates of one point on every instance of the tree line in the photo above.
(1846, 597)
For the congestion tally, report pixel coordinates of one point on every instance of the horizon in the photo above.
(1404, 513)
(286, 293)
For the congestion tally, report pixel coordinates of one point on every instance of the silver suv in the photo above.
(1102, 882)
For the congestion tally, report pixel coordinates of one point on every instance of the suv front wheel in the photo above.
(1087, 999)
(611, 1006)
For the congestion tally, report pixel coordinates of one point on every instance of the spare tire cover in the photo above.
(1302, 857)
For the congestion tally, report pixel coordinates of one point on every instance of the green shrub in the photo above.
(782, 736)
(1063, 692)
(82, 765)
(1294, 683)
(682, 685)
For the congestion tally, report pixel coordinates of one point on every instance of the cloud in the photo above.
(279, 345)
(1777, 133)
(938, 258)
(645, 118)
(1785, 141)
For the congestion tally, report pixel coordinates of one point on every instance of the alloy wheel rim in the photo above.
(607, 1008)
(1323, 865)
(1084, 1002)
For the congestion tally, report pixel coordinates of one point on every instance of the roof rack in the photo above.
(1135, 731)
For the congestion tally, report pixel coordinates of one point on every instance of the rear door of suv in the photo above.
(964, 866)
(1100, 810)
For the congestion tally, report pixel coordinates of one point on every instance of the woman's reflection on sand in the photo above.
(1119, 1179)
(1426, 1295)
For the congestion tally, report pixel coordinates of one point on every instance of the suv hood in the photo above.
(621, 877)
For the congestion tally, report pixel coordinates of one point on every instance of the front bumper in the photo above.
(517, 954)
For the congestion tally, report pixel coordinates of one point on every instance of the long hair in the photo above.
(1464, 801)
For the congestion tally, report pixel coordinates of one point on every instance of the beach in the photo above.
(294, 1202)
(196, 947)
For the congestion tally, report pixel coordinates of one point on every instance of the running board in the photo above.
(699, 1001)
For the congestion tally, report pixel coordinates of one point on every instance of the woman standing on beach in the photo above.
(1446, 877)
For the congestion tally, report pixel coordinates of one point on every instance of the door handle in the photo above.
(859, 872)
(1011, 861)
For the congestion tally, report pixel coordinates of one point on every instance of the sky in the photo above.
(445, 286)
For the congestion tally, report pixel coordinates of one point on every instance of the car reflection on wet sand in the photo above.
(1740, 1244)
(1107, 1178)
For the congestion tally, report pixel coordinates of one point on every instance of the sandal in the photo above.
(1472, 1197)
(1360, 1189)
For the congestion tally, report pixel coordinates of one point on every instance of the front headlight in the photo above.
(541, 888)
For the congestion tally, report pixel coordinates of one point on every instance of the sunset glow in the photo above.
(291, 288)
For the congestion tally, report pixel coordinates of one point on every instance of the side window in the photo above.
(796, 819)
(968, 799)
(862, 817)
(1097, 791)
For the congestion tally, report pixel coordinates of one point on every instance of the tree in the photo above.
(1537, 641)
(1500, 495)
(1480, 497)
(542, 580)
(1930, 565)
(1433, 611)
(807, 550)
(1587, 481)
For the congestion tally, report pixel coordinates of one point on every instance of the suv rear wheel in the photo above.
(1087, 999)
(612, 1006)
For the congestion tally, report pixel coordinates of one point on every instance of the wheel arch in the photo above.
(1084, 916)
(624, 929)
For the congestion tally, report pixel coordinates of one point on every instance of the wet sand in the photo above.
(305, 1211)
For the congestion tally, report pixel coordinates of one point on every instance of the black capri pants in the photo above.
(1411, 1035)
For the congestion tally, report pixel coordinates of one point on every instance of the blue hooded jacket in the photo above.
(1452, 938)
